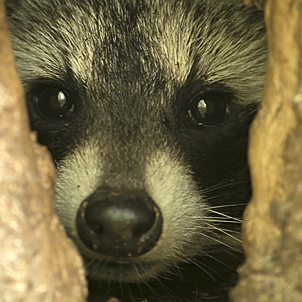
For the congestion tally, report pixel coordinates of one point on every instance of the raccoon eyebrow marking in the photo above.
(197, 86)
(39, 83)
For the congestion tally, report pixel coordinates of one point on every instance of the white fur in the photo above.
(167, 182)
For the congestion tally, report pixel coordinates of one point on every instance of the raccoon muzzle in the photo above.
(120, 224)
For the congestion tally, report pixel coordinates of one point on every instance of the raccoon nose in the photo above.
(119, 224)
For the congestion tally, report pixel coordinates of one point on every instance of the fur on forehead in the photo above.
(117, 43)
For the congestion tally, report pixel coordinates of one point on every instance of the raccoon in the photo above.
(145, 107)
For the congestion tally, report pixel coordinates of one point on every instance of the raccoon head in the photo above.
(145, 107)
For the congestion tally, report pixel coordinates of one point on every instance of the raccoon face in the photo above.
(145, 107)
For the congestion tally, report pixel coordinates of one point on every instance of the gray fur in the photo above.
(130, 62)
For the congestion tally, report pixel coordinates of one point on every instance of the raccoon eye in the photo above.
(54, 102)
(208, 110)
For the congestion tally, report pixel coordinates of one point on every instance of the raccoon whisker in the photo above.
(90, 265)
(221, 242)
(224, 218)
(224, 231)
(201, 264)
(129, 292)
(223, 185)
(225, 215)
(215, 197)
(228, 205)
(232, 231)
(169, 292)
(146, 283)
(164, 288)
(155, 292)
(217, 219)
(218, 261)
(194, 262)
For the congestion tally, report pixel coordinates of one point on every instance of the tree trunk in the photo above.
(39, 264)
(37, 261)
(272, 228)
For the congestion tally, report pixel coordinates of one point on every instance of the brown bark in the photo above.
(272, 228)
(37, 262)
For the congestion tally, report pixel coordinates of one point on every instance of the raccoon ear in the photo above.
(209, 109)
(54, 102)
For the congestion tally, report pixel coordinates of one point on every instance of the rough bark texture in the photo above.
(272, 228)
(37, 262)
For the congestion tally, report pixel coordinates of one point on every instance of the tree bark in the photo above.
(37, 261)
(272, 227)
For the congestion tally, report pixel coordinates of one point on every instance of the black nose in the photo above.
(118, 223)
